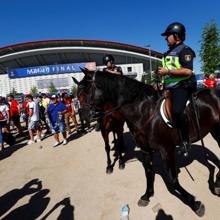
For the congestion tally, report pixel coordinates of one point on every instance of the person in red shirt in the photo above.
(25, 111)
(211, 82)
(14, 112)
(70, 112)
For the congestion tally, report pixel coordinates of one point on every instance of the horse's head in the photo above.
(83, 86)
(87, 92)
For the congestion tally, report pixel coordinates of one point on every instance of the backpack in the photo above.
(1, 116)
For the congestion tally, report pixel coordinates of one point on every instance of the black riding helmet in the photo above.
(175, 28)
(108, 58)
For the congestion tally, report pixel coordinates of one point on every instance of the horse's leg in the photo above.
(150, 175)
(189, 199)
(81, 120)
(215, 132)
(217, 184)
(120, 144)
(87, 118)
(105, 135)
(88, 125)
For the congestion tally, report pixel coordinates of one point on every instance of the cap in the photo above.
(54, 96)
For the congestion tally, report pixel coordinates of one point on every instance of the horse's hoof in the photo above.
(109, 170)
(121, 166)
(199, 209)
(143, 203)
(217, 185)
(217, 190)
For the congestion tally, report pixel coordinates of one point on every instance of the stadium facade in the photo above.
(42, 63)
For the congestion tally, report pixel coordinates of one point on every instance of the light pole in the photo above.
(149, 49)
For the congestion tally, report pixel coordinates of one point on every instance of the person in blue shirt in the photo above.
(56, 111)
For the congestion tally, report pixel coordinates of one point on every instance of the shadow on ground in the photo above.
(80, 133)
(197, 153)
(7, 152)
(161, 215)
(36, 205)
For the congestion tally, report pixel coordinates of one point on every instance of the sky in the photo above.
(138, 22)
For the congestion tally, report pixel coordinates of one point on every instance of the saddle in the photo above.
(165, 112)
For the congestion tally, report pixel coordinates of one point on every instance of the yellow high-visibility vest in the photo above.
(171, 61)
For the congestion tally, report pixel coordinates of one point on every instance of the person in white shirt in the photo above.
(34, 123)
(4, 120)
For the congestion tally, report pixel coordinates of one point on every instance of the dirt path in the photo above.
(73, 183)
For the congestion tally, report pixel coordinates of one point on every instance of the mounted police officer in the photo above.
(179, 79)
(109, 60)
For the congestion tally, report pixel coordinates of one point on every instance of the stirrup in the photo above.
(183, 148)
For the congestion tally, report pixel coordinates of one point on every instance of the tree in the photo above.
(34, 90)
(52, 88)
(210, 50)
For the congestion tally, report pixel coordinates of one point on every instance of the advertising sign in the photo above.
(50, 69)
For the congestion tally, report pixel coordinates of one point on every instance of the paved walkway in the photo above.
(69, 182)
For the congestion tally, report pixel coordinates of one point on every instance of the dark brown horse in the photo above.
(110, 121)
(84, 110)
(140, 104)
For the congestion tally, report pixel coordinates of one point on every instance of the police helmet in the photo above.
(108, 58)
(175, 28)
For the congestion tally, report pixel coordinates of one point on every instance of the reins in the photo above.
(195, 109)
(90, 104)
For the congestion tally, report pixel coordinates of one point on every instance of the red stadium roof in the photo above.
(38, 53)
(74, 42)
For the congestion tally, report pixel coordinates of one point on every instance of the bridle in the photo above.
(92, 91)
(90, 97)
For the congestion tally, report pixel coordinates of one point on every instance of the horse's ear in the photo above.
(75, 80)
(86, 71)
(82, 69)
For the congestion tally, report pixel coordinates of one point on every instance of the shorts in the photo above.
(33, 125)
(16, 119)
(3, 123)
(58, 127)
(67, 116)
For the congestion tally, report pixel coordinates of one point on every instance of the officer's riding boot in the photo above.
(183, 128)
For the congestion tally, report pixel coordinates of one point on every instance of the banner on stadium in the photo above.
(50, 69)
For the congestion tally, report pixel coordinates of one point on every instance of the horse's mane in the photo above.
(130, 88)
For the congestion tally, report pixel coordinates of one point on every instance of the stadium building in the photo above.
(41, 64)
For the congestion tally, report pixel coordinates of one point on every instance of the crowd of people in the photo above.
(54, 113)
(40, 115)
(43, 112)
